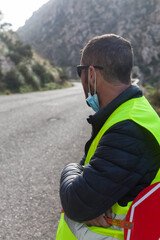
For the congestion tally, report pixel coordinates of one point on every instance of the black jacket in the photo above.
(125, 162)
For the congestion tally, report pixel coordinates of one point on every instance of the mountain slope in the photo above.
(60, 28)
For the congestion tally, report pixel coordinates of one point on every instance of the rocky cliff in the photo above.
(60, 28)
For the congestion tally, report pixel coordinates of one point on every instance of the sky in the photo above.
(17, 12)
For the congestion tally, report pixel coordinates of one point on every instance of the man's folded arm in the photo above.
(88, 191)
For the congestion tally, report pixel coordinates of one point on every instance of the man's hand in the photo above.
(100, 221)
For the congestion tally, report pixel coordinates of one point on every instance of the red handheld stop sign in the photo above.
(144, 213)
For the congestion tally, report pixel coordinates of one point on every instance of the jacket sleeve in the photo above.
(88, 191)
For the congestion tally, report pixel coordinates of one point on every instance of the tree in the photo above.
(3, 25)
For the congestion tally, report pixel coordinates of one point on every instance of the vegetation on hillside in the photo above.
(152, 93)
(22, 70)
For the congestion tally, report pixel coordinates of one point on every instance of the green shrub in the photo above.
(1, 75)
(7, 92)
(2, 84)
(155, 99)
(25, 89)
(30, 78)
(43, 74)
(36, 84)
(7, 40)
(18, 50)
(23, 49)
(51, 86)
(24, 70)
(13, 80)
(153, 96)
(63, 75)
(15, 57)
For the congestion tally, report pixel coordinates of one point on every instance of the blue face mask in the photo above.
(92, 100)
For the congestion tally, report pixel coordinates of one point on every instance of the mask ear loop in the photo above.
(89, 88)
(95, 83)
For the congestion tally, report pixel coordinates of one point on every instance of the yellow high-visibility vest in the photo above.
(140, 111)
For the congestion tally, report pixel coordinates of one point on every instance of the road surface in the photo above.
(39, 134)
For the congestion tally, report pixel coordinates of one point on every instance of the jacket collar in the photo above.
(98, 119)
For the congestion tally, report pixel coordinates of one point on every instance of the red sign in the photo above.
(144, 213)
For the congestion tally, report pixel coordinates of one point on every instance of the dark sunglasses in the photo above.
(80, 67)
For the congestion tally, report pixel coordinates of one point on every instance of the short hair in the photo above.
(113, 53)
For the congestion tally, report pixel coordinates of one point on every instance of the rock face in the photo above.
(60, 28)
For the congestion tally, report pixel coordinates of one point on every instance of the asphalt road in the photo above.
(39, 134)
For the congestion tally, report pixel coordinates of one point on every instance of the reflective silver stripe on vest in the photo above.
(81, 232)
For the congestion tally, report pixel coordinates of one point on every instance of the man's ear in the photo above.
(91, 76)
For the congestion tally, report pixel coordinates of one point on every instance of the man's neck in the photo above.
(110, 91)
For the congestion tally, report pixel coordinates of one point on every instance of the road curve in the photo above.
(39, 134)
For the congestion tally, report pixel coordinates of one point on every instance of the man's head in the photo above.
(106, 66)
(111, 52)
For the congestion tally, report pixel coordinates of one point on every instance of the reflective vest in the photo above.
(140, 111)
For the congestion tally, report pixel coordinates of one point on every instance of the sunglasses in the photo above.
(81, 67)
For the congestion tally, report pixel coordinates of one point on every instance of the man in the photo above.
(122, 157)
